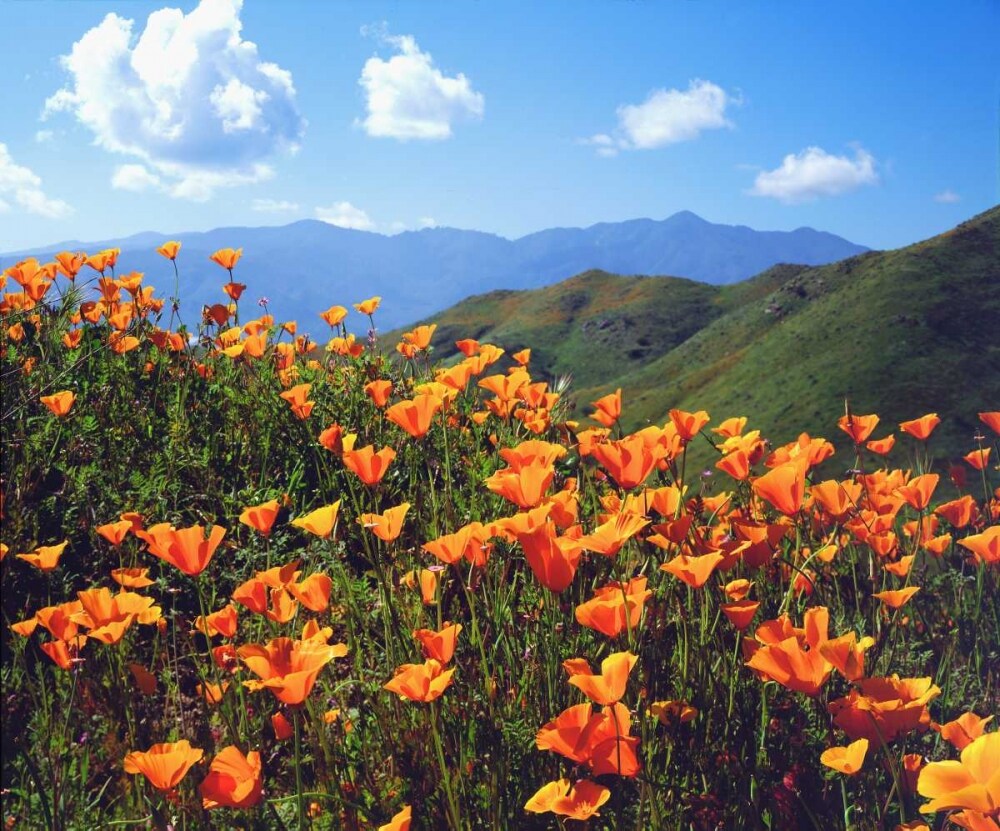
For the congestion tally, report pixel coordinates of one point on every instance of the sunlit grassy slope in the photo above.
(896, 332)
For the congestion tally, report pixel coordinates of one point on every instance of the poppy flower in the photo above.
(964, 730)
(222, 622)
(415, 416)
(688, 424)
(164, 765)
(897, 599)
(388, 525)
(145, 681)
(735, 464)
(524, 487)
(783, 486)
(366, 464)
(985, 547)
(288, 668)
(552, 559)
(420, 682)
(439, 645)
(991, 420)
(884, 708)
(793, 657)
(740, 613)
(399, 822)
(672, 712)
(858, 427)
(234, 290)
(233, 781)
(978, 459)
(313, 592)
(608, 409)
(261, 517)
(628, 461)
(847, 760)
(297, 399)
(212, 693)
(227, 257)
(610, 536)
(169, 250)
(320, 521)
(918, 491)
(609, 686)
(186, 548)
(881, 447)
(114, 532)
(69, 264)
(282, 727)
(368, 307)
(59, 403)
(972, 784)
(64, 653)
(615, 608)
(46, 557)
(579, 801)
(921, 428)
(847, 654)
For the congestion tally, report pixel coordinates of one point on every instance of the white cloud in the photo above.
(947, 197)
(43, 136)
(427, 222)
(813, 173)
(187, 96)
(407, 97)
(345, 215)
(136, 178)
(667, 116)
(4, 207)
(25, 188)
(273, 206)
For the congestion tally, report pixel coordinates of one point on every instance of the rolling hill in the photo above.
(306, 266)
(899, 333)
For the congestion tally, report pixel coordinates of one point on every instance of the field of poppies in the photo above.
(255, 578)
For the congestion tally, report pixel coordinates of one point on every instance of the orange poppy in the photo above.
(186, 548)
(918, 491)
(334, 315)
(332, 438)
(388, 525)
(439, 645)
(897, 599)
(693, 570)
(420, 336)
(978, 459)
(838, 499)
(793, 657)
(985, 547)
(609, 686)
(233, 781)
(366, 464)
(847, 654)
(288, 668)
(368, 307)
(731, 427)
(313, 592)
(608, 409)
(131, 578)
(884, 708)
(599, 740)
(261, 517)
(964, 730)
(615, 608)
(740, 613)
(282, 727)
(415, 416)
(673, 712)
(379, 391)
(399, 822)
(972, 784)
(688, 424)
(579, 801)
(735, 464)
(847, 760)
(164, 765)
(296, 398)
(69, 264)
(114, 532)
(64, 654)
(881, 447)
(420, 682)
(628, 461)
(921, 428)
(234, 290)
(222, 622)
(169, 250)
(991, 420)
(321, 521)
(227, 257)
(145, 681)
(59, 403)
(466, 542)
(212, 693)
(783, 486)
(552, 559)
(610, 536)
(46, 557)
(858, 427)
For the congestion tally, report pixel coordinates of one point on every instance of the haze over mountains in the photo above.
(309, 265)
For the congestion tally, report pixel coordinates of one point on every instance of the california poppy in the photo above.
(288, 668)
(320, 521)
(69, 264)
(399, 822)
(884, 708)
(164, 765)
(227, 257)
(609, 686)
(552, 559)
(334, 315)
(693, 570)
(45, 557)
(858, 427)
(261, 517)
(297, 399)
(420, 682)
(610, 536)
(366, 464)
(740, 612)
(897, 599)
(615, 607)
(169, 250)
(972, 783)
(848, 759)
(579, 801)
(186, 548)
(783, 486)
(793, 657)
(388, 525)
(628, 461)
(985, 547)
(439, 645)
(114, 532)
(233, 781)
(978, 459)
(964, 730)
(991, 420)
(415, 415)
(222, 622)
(59, 403)
(921, 428)
(688, 424)
(847, 654)
(918, 491)
(608, 409)
(368, 307)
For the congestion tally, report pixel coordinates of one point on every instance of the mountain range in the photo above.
(898, 333)
(309, 265)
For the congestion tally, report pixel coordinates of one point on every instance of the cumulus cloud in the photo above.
(813, 172)
(187, 96)
(136, 178)
(42, 136)
(408, 97)
(24, 187)
(947, 197)
(273, 206)
(667, 116)
(345, 215)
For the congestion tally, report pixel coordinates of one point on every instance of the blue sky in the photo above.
(874, 120)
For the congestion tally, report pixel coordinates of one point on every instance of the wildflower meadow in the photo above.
(263, 579)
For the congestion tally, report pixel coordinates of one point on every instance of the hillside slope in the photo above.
(899, 333)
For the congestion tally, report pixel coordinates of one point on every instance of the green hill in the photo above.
(899, 333)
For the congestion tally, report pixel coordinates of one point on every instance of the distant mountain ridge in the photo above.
(308, 265)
